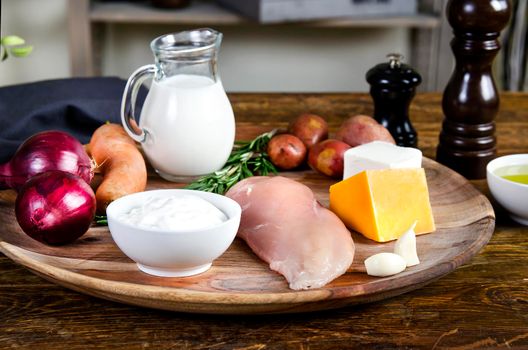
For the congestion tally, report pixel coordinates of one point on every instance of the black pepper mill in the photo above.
(392, 87)
(470, 101)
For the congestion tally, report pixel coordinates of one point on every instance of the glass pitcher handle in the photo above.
(128, 103)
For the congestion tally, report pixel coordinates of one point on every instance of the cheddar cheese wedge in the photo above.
(382, 204)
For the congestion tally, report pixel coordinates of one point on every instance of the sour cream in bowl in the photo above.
(173, 233)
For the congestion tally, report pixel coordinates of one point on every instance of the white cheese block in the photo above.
(380, 155)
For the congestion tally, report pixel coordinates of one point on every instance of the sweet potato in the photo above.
(119, 161)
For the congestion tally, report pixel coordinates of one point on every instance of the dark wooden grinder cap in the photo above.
(392, 87)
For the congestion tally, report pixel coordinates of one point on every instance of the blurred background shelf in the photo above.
(210, 13)
(88, 18)
(111, 38)
(198, 13)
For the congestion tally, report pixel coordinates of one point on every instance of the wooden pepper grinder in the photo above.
(392, 87)
(470, 101)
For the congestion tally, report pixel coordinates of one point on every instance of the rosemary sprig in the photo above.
(248, 158)
(101, 220)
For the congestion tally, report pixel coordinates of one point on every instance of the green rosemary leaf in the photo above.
(248, 158)
(101, 220)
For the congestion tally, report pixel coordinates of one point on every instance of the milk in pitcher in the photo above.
(186, 127)
(189, 124)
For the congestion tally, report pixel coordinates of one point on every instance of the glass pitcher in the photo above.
(186, 126)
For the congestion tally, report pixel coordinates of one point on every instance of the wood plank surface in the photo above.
(483, 304)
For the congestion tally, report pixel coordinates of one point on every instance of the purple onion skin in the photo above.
(55, 207)
(44, 151)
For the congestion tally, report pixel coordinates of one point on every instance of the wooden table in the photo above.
(482, 304)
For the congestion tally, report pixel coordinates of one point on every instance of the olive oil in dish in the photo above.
(520, 178)
(515, 173)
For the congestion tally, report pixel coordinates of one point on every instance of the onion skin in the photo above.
(55, 207)
(44, 151)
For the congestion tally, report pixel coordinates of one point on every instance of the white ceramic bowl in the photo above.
(513, 196)
(173, 253)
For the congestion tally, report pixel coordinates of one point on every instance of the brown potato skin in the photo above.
(286, 151)
(310, 128)
(327, 156)
(361, 129)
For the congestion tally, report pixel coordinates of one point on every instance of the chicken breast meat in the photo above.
(285, 226)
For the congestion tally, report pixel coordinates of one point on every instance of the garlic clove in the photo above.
(384, 264)
(405, 246)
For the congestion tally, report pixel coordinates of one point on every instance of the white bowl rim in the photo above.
(510, 159)
(228, 200)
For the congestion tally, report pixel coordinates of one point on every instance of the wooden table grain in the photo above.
(483, 304)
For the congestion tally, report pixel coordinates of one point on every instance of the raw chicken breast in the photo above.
(285, 226)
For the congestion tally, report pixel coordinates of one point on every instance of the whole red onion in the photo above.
(55, 207)
(47, 150)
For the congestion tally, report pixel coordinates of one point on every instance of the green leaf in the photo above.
(5, 55)
(12, 40)
(101, 220)
(248, 158)
(21, 51)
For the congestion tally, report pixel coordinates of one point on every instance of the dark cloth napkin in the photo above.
(77, 106)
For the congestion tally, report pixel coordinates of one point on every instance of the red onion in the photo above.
(55, 207)
(48, 150)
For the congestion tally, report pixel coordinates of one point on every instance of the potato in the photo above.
(361, 129)
(286, 151)
(310, 128)
(326, 157)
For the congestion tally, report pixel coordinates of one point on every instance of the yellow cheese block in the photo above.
(382, 204)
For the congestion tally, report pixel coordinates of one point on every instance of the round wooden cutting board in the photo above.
(240, 283)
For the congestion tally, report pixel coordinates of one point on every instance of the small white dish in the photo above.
(513, 196)
(173, 253)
